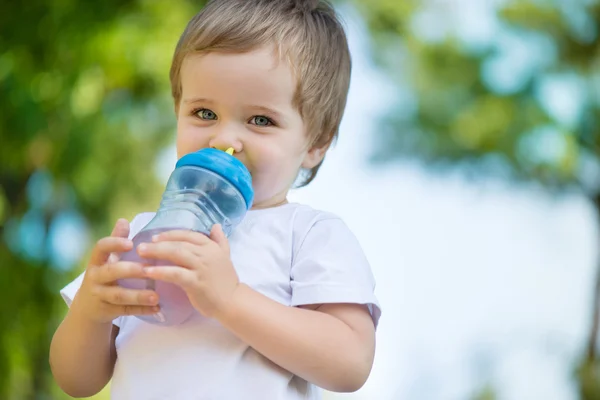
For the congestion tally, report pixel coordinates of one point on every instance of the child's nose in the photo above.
(226, 139)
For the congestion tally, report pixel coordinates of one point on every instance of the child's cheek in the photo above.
(270, 166)
(190, 138)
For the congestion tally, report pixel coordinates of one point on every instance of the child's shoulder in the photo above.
(305, 213)
(296, 215)
(304, 221)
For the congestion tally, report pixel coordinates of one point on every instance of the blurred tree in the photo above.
(508, 87)
(85, 109)
(485, 393)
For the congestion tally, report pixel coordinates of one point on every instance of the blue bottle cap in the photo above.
(224, 165)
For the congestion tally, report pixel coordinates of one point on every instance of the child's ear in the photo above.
(314, 156)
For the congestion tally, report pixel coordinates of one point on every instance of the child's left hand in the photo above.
(201, 266)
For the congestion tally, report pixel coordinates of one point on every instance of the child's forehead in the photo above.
(259, 73)
(270, 55)
(265, 60)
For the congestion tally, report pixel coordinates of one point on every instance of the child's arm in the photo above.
(82, 352)
(82, 355)
(332, 346)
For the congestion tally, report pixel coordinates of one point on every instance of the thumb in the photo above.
(121, 228)
(218, 236)
(100, 256)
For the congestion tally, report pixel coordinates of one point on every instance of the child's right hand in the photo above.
(100, 298)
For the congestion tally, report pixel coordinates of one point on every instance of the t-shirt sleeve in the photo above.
(68, 292)
(331, 267)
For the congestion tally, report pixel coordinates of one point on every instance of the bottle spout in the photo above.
(229, 151)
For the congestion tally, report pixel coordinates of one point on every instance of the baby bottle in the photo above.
(207, 187)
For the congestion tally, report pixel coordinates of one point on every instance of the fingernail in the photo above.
(142, 247)
(155, 238)
(152, 299)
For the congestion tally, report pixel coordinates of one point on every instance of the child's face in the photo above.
(244, 101)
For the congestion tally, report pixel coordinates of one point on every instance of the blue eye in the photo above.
(261, 120)
(205, 114)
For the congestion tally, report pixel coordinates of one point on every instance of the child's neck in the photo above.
(270, 204)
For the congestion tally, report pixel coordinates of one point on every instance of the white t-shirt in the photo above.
(293, 254)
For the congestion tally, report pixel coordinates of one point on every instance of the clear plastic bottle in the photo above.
(207, 187)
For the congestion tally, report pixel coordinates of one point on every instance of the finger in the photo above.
(128, 297)
(218, 236)
(121, 228)
(102, 251)
(114, 244)
(109, 273)
(179, 276)
(113, 258)
(193, 237)
(138, 310)
(105, 246)
(183, 254)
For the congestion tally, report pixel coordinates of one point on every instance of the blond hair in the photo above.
(306, 33)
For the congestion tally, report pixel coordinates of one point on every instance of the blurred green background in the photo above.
(85, 110)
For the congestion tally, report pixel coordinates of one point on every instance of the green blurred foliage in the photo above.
(84, 104)
(460, 117)
(469, 104)
(485, 393)
(588, 374)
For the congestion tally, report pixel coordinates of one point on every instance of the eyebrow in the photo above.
(197, 100)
